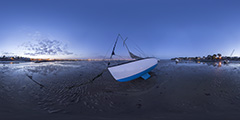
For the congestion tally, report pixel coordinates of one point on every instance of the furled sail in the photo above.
(133, 56)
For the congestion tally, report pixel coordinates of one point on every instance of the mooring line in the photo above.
(30, 77)
(90, 81)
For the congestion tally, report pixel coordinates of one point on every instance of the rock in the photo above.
(139, 105)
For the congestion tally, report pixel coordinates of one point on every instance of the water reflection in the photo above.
(215, 64)
(43, 70)
(210, 63)
(9, 62)
(219, 64)
(169, 84)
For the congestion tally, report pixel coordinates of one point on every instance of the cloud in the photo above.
(45, 46)
(7, 53)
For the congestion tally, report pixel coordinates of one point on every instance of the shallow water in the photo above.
(187, 90)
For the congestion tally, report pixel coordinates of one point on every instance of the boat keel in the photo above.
(146, 76)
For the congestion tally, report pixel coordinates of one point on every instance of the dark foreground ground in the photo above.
(174, 92)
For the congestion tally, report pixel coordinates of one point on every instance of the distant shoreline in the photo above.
(56, 60)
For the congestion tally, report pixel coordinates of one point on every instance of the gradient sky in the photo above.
(88, 28)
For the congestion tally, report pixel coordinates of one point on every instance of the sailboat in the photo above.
(127, 71)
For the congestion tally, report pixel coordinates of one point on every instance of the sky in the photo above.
(88, 28)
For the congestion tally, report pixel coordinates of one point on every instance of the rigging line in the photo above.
(106, 53)
(30, 77)
(124, 43)
(141, 50)
(100, 74)
(120, 56)
(87, 82)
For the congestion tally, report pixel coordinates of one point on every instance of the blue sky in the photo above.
(88, 29)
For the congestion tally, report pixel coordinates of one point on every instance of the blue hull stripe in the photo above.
(137, 75)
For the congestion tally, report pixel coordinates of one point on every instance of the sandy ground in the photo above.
(186, 90)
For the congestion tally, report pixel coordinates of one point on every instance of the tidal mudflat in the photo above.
(54, 90)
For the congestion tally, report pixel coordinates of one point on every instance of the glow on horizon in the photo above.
(11, 44)
(163, 29)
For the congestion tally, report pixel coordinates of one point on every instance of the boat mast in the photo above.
(232, 52)
(124, 43)
(115, 44)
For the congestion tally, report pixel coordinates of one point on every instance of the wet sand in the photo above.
(186, 90)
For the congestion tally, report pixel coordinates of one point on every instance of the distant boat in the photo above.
(226, 61)
(139, 67)
(37, 62)
(176, 60)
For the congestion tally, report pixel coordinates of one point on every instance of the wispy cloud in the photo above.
(7, 53)
(44, 46)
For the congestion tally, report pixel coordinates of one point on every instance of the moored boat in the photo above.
(139, 67)
(133, 69)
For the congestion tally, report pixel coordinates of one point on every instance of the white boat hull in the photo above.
(132, 70)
